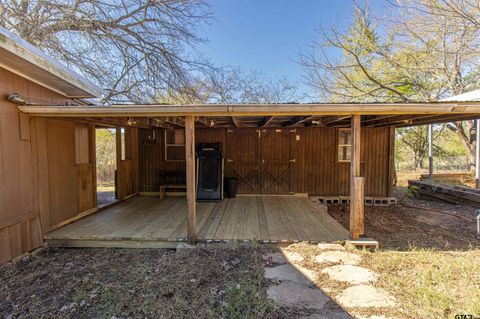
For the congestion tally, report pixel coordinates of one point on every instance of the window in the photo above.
(344, 145)
(123, 150)
(175, 145)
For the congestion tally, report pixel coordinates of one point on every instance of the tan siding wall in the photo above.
(19, 218)
(316, 170)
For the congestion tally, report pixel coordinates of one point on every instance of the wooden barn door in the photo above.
(276, 161)
(243, 159)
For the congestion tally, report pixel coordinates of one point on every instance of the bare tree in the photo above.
(133, 48)
(426, 50)
(232, 85)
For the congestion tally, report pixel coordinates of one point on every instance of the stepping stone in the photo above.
(293, 256)
(350, 274)
(290, 293)
(365, 296)
(338, 257)
(288, 272)
(284, 257)
(276, 258)
(327, 246)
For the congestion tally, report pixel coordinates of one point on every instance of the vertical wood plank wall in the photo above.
(20, 229)
(47, 168)
(316, 170)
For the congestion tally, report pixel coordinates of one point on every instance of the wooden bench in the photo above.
(165, 188)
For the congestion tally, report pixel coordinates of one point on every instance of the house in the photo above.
(280, 154)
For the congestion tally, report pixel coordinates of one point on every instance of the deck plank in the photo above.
(148, 219)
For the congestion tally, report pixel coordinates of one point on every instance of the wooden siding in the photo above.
(20, 229)
(315, 169)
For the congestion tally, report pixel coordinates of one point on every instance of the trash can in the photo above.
(230, 185)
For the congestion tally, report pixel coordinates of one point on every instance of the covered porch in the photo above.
(147, 221)
(306, 155)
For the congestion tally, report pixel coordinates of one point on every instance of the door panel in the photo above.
(243, 159)
(277, 161)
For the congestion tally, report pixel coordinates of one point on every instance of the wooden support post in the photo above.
(357, 198)
(190, 172)
(477, 154)
(430, 152)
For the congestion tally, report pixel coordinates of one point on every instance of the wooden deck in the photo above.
(145, 221)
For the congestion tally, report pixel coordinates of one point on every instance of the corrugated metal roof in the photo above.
(465, 97)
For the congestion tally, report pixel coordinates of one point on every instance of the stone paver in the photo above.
(336, 257)
(290, 293)
(293, 256)
(276, 258)
(365, 296)
(288, 272)
(350, 274)
(328, 246)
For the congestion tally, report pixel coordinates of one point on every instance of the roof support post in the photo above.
(190, 180)
(430, 152)
(357, 183)
(477, 154)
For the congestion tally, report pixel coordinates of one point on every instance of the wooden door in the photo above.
(243, 159)
(276, 161)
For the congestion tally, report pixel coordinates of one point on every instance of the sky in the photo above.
(267, 35)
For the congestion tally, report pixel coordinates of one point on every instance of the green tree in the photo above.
(418, 53)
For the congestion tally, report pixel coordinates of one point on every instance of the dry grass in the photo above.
(430, 284)
(105, 187)
(212, 282)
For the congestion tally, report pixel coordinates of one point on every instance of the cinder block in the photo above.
(344, 200)
(368, 201)
(331, 201)
(392, 200)
(380, 201)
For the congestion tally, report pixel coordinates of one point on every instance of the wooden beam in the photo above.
(299, 120)
(190, 173)
(338, 119)
(235, 121)
(339, 109)
(266, 121)
(357, 183)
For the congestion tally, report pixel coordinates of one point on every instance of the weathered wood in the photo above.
(315, 170)
(341, 109)
(190, 178)
(357, 183)
(357, 208)
(151, 220)
(451, 193)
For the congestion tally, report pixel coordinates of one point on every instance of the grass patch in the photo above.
(430, 284)
(105, 186)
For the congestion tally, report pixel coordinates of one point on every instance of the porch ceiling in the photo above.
(266, 115)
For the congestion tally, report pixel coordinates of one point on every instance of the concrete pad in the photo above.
(328, 246)
(350, 274)
(365, 296)
(290, 293)
(288, 272)
(336, 257)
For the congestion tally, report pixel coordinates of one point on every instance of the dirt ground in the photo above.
(402, 227)
(214, 282)
(226, 281)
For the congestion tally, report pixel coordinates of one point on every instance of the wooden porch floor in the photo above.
(143, 220)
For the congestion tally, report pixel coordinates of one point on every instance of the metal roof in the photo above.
(22, 58)
(469, 96)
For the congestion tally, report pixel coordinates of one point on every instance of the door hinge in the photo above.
(293, 160)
